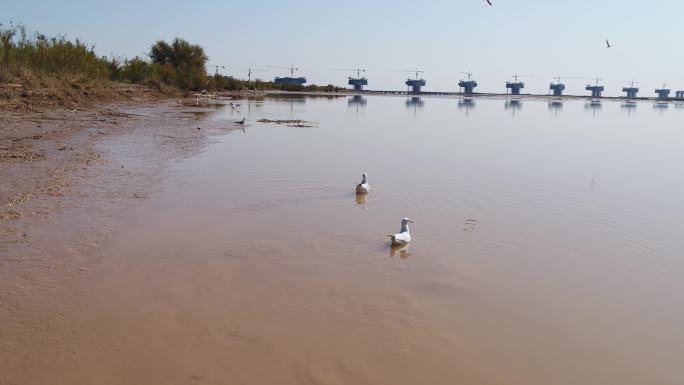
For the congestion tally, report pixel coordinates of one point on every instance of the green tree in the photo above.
(180, 63)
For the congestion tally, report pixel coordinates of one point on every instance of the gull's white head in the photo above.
(405, 221)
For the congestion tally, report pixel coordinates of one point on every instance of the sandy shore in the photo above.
(67, 174)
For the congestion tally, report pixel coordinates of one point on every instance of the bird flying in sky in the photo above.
(489, 2)
(608, 44)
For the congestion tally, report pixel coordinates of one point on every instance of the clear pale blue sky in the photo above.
(543, 38)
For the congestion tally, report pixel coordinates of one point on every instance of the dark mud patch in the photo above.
(289, 122)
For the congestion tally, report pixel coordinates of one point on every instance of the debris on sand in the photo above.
(9, 215)
(289, 122)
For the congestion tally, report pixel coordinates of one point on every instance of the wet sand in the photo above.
(547, 250)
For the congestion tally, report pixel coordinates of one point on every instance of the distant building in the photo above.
(358, 83)
(680, 94)
(663, 93)
(557, 88)
(468, 86)
(596, 91)
(290, 80)
(630, 91)
(515, 87)
(415, 85)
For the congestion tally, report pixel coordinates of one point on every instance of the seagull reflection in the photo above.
(361, 199)
(402, 251)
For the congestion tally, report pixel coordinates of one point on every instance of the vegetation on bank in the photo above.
(33, 58)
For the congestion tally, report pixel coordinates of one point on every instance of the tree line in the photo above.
(180, 64)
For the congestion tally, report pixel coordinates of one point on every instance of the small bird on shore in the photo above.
(403, 237)
(608, 44)
(363, 187)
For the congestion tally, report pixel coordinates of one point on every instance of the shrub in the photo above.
(180, 63)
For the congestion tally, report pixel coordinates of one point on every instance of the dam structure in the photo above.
(630, 91)
(358, 83)
(467, 86)
(557, 89)
(515, 87)
(596, 90)
(415, 85)
(289, 79)
(663, 93)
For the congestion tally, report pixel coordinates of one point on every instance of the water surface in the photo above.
(547, 249)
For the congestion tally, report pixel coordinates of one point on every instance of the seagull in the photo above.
(363, 187)
(241, 121)
(489, 2)
(403, 237)
(234, 106)
(608, 44)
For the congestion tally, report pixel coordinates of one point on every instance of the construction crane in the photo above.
(415, 71)
(516, 76)
(217, 69)
(250, 71)
(291, 68)
(358, 70)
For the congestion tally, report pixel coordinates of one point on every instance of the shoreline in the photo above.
(459, 95)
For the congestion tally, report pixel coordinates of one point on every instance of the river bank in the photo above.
(67, 174)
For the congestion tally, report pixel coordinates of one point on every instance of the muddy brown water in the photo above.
(548, 249)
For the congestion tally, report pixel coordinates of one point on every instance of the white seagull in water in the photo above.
(363, 187)
(403, 237)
